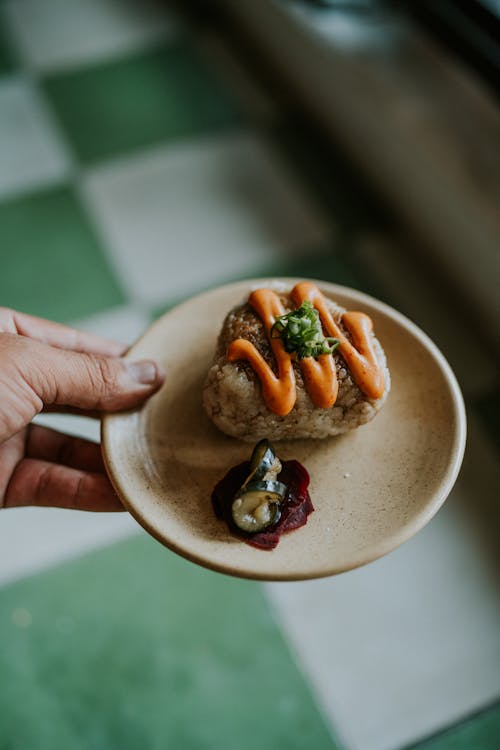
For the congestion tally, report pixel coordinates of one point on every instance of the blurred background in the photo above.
(150, 150)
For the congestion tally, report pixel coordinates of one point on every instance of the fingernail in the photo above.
(145, 372)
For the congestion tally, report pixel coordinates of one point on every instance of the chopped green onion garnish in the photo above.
(301, 332)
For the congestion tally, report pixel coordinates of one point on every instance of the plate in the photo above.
(372, 488)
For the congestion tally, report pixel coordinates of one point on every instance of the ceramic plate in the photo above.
(372, 488)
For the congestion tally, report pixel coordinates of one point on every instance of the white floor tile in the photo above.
(32, 153)
(179, 218)
(56, 34)
(411, 643)
(33, 539)
(124, 324)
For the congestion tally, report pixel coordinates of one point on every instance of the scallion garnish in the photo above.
(301, 332)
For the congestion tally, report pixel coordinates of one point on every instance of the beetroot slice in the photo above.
(295, 508)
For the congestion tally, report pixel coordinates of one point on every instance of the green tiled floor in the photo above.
(131, 647)
(481, 732)
(134, 648)
(52, 263)
(126, 104)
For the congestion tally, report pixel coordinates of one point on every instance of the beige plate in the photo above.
(372, 488)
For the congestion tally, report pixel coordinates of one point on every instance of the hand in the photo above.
(45, 366)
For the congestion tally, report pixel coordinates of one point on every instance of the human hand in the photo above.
(46, 366)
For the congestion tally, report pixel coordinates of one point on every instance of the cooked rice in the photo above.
(232, 394)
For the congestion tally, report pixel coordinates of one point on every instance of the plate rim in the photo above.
(391, 543)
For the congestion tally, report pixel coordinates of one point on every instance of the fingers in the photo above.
(41, 483)
(61, 471)
(49, 445)
(56, 334)
(86, 381)
(92, 382)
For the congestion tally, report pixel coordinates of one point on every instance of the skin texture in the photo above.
(45, 366)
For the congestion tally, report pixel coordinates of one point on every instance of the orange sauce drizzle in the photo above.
(320, 377)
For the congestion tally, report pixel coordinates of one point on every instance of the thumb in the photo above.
(92, 381)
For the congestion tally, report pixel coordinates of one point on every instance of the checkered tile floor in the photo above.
(140, 163)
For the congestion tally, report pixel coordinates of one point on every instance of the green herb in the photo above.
(301, 332)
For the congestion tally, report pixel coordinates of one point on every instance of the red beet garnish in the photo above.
(295, 507)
